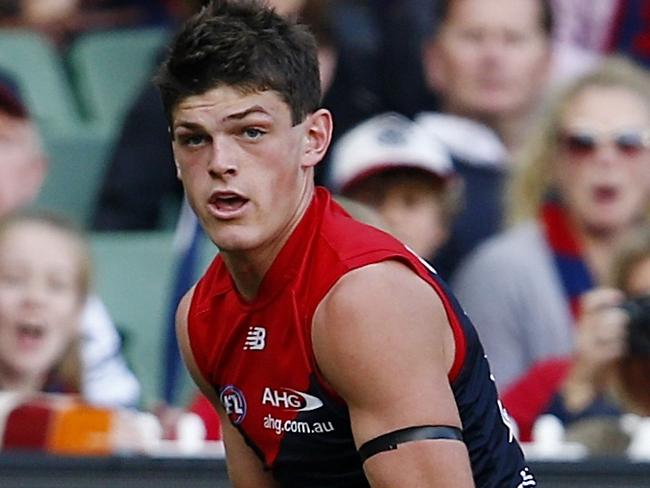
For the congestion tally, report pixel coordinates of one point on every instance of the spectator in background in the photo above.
(587, 30)
(62, 20)
(631, 274)
(631, 269)
(21, 155)
(404, 25)
(583, 184)
(139, 188)
(581, 33)
(610, 354)
(23, 167)
(631, 32)
(613, 341)
(489, 67)
(390, 164)
(44, 281)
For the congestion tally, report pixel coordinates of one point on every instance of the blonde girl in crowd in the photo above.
(44, 279)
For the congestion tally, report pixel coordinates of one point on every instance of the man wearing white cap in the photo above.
(391, 164)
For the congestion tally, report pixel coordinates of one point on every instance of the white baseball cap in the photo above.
(383, 142)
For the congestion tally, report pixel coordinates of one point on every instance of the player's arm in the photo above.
(382, 340)
(245, 469)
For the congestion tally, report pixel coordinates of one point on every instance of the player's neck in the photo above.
(249, 267)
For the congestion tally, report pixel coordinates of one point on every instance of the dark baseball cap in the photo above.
(11, 101)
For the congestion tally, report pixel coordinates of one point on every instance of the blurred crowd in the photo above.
(509, 147)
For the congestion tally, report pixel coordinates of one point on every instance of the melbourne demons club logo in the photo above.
(234, 403)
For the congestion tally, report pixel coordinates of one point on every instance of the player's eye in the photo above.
(253, 133)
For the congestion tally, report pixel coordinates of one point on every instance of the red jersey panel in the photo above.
(258, 357)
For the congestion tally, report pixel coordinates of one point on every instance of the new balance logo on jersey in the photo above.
(255, 339)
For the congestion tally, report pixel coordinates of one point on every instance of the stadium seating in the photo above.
(77, 161)
(41, 76)
(109, 69)
(133, 272)
(133, 276)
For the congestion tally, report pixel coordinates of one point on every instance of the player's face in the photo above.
(490, 60)
(245, 167)
(603, 169)
(40, 299)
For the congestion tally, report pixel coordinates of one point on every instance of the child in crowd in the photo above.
(392, 165)
(106, 379)
(44, 279)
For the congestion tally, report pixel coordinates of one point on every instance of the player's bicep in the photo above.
(382, 339)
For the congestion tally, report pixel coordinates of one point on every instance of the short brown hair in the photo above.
(246, 45)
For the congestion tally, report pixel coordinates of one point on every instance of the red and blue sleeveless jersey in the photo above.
(258, 357)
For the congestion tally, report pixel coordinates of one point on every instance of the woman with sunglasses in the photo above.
(583, 184)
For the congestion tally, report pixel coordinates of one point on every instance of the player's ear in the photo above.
(318, 134)
(178, 169)
(172, 138)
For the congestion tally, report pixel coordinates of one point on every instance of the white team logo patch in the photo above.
(255, 339)
(234, 403)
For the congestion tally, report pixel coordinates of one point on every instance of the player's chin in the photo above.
(235, 239)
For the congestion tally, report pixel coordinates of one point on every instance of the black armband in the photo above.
(390, 441)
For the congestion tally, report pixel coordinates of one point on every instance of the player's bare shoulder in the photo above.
(182, 335)
(378, 308)
(182, 312)
(389, 286)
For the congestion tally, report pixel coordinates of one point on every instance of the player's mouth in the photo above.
(227, 204)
